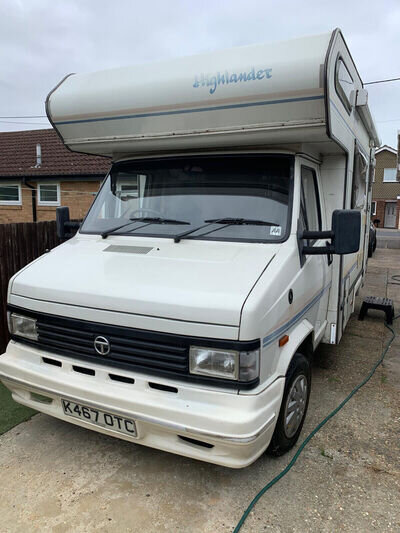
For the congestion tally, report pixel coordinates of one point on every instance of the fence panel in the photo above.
(19, 245)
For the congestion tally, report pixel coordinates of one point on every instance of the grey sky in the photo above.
(42, 40)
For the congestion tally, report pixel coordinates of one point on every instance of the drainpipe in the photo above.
(25, 182)
(34, 216)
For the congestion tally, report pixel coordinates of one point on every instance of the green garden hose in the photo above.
(315, 430)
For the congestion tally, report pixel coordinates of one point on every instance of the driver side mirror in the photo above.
(64, 224)
(344, 236)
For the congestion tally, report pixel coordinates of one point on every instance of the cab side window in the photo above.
(310, 206)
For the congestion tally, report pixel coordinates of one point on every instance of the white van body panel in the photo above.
(106, 111)
(197, 281)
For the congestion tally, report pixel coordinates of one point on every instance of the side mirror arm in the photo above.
(344, 236)
(318, 250)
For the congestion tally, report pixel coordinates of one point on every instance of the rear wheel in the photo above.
(294, 406)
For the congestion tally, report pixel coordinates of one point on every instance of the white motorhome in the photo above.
(227, 242)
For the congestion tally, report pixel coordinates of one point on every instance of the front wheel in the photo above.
(294, 406)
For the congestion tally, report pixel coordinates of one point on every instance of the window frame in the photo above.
(339, 89)
(46, 203)
(303, 210)
(395, 175)
(373, 207)
(12, 184)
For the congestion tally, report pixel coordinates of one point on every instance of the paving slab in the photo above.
(60, 478)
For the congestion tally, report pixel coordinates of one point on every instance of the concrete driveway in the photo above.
(62, 478)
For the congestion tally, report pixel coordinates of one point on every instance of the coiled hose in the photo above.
(320, 425)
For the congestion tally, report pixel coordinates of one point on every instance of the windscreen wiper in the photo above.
(226, 222)
(239, 221)
(180, 236)
(147, 220)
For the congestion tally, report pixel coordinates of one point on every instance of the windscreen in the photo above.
(243, 198)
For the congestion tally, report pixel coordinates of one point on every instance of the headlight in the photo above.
(22, 326)
(228, 364)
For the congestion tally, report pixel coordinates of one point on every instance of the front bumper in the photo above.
(237, 428)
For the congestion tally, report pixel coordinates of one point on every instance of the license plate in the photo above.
(99, 418)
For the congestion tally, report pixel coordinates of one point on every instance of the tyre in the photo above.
(370, 250)
(294, 406)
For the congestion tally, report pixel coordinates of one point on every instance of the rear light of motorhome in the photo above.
(227, 364)
(22, 326)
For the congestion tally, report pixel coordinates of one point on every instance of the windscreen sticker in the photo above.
(275, 230)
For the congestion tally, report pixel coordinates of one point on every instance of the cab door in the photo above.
(317, 268)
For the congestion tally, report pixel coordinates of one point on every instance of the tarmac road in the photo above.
(61, 478)
(388, 238)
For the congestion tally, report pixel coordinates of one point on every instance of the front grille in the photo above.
(127, 346)
(149, 352)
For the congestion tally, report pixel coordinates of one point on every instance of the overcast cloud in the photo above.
(42, 40)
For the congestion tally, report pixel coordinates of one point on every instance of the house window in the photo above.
(389, 175)
(128, 189)
(49, 194)
(10, 194)
(373, 208)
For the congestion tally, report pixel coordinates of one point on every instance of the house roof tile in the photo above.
(18, 156)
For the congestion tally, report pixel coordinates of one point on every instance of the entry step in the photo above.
(381, 304)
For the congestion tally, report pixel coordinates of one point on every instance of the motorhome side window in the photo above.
(344, 84)
(244, 198)
(359, 185)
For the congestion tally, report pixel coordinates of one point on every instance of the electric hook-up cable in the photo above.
(318, 427)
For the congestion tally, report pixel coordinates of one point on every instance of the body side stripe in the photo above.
(275, 334)
(353, 266)
(199, 110)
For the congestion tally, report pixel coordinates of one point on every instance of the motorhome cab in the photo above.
(227, 242)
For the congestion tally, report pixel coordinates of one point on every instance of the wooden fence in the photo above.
(19, 245)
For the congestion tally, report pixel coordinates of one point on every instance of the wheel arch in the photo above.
(301, 339)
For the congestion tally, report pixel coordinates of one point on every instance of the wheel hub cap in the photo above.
(295, 406)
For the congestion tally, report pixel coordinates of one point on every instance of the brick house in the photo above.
(386, 188)
(37, 174)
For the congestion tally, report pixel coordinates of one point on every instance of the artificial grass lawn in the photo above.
(11, 413)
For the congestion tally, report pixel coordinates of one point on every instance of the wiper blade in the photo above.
(181, 236)
(159, 220)
(147, 220)
(105, 234)
(239, 221)
(226, 222)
